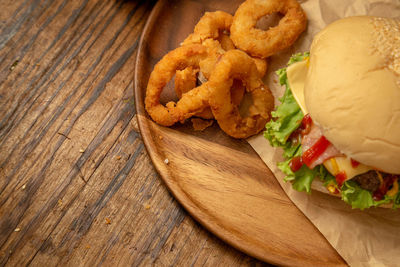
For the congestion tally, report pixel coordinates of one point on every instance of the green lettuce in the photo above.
(360, 198)
(285, 120)
(288, 115)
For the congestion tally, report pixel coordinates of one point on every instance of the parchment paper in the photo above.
(363, 238)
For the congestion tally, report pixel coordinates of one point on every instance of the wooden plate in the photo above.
(220, 181)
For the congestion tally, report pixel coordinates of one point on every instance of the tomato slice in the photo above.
(310, 155)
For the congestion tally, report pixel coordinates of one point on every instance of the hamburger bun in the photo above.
(352, 89)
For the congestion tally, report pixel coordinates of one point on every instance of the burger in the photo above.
(339, 119)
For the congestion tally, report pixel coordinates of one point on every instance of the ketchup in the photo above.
(382, 190)
(340, 178)
(377, 195)
(303, 129)
(354, 163)
(295, 164)
(311, 154)
(306, 124)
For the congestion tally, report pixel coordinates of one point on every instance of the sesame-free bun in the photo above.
(352, 89)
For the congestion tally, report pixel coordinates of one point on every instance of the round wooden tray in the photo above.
(221, 181)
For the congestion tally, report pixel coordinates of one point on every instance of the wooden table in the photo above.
(76, 184)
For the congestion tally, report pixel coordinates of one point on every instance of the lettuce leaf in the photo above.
(288, 115)
(286, 119)
(360, 198)
(396, 201)
(357, 197)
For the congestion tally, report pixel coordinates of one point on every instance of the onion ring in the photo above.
(226, 41)
(215, 52)
(212, 31)
(261, 65)
(192, 102)
(210, 26)
(236, 64)
(185, 80)
(260, 43)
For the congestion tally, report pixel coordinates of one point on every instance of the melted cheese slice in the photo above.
(296, 74)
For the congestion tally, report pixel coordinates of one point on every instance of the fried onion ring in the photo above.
(215, 52)
(260, 43)
(185, 80)
(261, 65)
(236, 64)
(212, 31)
(226, 42)
(192, 102)
(211, 26)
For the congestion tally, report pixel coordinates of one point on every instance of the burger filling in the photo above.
(309, 154)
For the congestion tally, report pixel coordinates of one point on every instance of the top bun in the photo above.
(352, 89)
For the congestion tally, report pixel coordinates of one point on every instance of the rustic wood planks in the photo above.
(76, 184)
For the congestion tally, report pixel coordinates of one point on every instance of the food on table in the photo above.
(210, 58)
(192, 102)
(339, 119)
(213, 25)
(260, 43)
(185, 83)
(185, 80)
(225, 40)
(213, 31)
(236, 64)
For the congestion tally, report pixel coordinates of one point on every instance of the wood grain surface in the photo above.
(221, 181)
(77, 187)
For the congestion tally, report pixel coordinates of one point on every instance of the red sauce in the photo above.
(311, 154)
(354, 163)
(382, 190)
(295, 164)
(337, 191)
(377, 195)
(302, 130)
(340, 178)
(295, 137)
(306, 124)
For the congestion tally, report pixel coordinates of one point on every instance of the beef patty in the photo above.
(368, 181)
